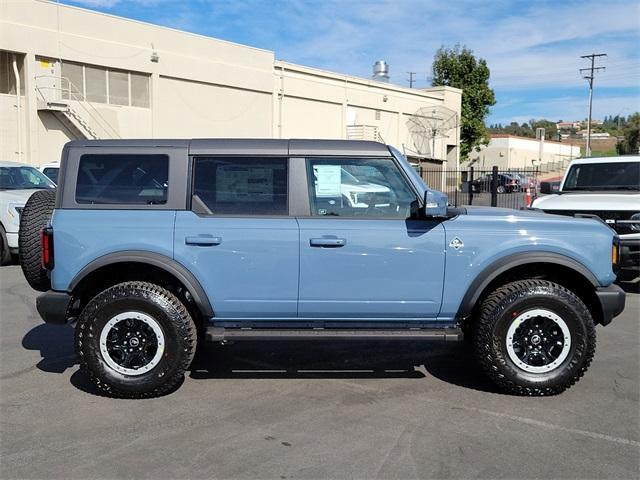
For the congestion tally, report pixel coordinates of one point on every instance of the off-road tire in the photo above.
(178, 328)
(496, 314)
(35, 216)
(5, 253)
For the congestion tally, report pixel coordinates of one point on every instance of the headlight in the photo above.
(15, 210)
(635, 226)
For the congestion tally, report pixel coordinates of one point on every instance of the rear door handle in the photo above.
(327, 242)
(203, 240)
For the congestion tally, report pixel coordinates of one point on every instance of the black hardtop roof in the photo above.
(251, 146)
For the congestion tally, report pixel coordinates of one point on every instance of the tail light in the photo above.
(47, 248)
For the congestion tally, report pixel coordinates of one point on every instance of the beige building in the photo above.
(510, 152)
(67, 72)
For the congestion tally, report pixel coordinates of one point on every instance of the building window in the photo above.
(7, 76)
(73, 88)
(139, 89)
(104, 85)
(95, 79)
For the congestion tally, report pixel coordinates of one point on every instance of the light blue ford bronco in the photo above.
(150, 246)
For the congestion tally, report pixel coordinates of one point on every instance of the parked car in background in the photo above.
(17, 183)
(160, 243)
(507, 183)
(51, 170)
(607, 187)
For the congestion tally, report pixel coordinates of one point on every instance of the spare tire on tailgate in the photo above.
(35, 216)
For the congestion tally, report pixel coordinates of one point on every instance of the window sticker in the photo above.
(237, 184)
(328, 180)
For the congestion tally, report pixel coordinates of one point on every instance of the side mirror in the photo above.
(545, 188)
(434, 205)
(549, 187)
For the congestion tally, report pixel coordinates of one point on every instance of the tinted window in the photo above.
(359, 187)
(52, 173)
(123, 179)
(242, 186)
(604, 176)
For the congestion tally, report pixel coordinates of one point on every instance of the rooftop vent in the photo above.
(381, 71)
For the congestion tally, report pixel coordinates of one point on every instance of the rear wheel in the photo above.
(534, 337)
(135, 340)
(35, 216)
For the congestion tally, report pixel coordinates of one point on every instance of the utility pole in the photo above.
(589, 78)
(410, 80)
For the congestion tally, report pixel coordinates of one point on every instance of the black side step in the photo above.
(220, 334)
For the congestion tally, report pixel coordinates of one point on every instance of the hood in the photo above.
(16, 196)
(589, 201)
(501, 212)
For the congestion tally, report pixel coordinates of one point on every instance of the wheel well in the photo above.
(108, 275)
(560, 274)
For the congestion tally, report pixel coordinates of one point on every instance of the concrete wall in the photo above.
(199, 87)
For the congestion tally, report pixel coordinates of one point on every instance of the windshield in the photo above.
(23, 178)
(603, 176)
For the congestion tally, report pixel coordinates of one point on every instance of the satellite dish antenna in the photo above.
(427, 124)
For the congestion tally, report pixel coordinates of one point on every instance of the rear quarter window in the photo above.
(122, 179)
(242, 186)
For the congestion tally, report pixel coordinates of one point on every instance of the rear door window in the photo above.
(242, 186)
(125, 179)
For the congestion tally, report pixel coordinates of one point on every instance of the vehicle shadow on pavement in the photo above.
(55, 343)
(449, 362)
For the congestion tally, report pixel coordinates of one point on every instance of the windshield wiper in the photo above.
(626, 187)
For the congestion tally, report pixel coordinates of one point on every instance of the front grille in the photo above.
(609, 216)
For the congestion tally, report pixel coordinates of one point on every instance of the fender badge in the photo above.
(456, 243)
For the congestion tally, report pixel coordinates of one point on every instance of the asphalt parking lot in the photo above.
(312, 410)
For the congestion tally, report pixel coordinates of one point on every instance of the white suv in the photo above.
(608, 187)
(17, 183)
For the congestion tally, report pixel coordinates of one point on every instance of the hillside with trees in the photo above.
(625, 129)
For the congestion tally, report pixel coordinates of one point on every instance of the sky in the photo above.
(532, 47)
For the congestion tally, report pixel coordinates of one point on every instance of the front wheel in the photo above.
(135, 340)
(534, 337)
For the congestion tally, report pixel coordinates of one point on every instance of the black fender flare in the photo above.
(492, 271)
(163, 262)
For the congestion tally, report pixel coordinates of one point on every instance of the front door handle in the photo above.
(203, 240)
(328, 242)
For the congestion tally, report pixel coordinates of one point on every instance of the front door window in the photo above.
(357, 187)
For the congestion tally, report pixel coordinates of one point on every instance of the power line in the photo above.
(410, 79)
(589, 78)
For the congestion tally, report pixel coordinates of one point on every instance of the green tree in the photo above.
(550, 128)
(631, 136)
(458, 67)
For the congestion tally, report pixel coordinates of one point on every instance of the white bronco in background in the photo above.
(17, 183)
(608, 187)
